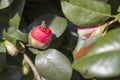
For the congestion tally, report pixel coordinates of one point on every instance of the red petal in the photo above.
(40, 34)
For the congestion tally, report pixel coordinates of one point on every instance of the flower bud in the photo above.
(25, 68)
(87, 32)
(40, 36)
(11, 49)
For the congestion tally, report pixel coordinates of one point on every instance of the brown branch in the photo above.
(33, 68)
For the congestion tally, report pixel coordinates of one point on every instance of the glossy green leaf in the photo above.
(2, 55)
(82, 43)
(53, 65)
(102, 60)
(86, 12)
(11, 73)
(55, 23)
(5, 3)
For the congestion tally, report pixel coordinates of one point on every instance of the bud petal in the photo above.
(87, 32)
(40, 37)
(25, 69)
(12, 50)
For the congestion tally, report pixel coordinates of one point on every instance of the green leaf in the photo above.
(119, 9)
(15, 37)
(12, 15)
(11, 73)
(5, 3)
(86, 12)
(118, 17)
(53, 65)
(103, 0)
(2, 55)
(102, 60)
(55, 23)
(34, 51)
(9, 38)
(82, 43)
(16, 34)
(15, 20)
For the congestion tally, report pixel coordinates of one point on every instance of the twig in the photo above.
(111, 22)
(29, 62)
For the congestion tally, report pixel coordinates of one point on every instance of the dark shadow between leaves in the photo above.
(39, 20)
(77, 76)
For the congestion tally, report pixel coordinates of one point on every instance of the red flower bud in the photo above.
(40, 36)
